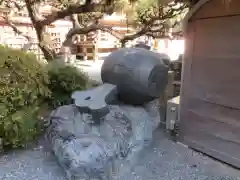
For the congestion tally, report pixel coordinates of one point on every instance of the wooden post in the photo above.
(96, 45)
(84, 48)
(168, 93)
(95, 57)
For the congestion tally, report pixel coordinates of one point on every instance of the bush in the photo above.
(64, 80)
(26, 86)
(23, 88)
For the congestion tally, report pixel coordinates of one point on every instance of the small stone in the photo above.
(193, 166)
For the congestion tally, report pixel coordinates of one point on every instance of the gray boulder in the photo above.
(88, 151)
(102, 134)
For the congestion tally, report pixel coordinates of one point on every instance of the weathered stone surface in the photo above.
(95, 101)
(111, 148)
(139, 74)
(100, 136)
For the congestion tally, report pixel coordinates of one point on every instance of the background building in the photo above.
(97, 45)
(94, 46)
(57, 31)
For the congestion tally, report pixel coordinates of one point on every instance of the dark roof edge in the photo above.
(191, 12)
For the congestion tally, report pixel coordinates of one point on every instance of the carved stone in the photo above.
(139, 74)
(101, 134)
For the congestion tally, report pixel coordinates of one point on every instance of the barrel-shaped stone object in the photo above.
(140, 75)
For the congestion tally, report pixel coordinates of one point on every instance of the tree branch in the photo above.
(12, 6)
(109, 29)
(33, 11)
(157, 25)
(147, 26)
(75, 22)
(33, 8)
(16, 30)
(144, 30)
(76, 9)
(87, 30)
(159, 36)
(134, 36)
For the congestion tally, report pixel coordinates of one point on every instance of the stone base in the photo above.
(87, 151)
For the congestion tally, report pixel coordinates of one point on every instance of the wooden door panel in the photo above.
(215, 70)
(210, 102)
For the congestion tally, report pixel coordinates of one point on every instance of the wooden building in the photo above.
(210, 100)
(97, 45)
(57, 31)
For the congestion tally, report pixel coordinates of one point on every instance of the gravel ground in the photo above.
(163, 160)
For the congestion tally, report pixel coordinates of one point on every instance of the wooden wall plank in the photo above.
(217, 8)
(210, 100)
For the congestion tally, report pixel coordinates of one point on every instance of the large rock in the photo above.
(88, 151)
(102, 134)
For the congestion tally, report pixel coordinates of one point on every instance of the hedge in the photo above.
(64, 80)
(23, 88)
(26, 87)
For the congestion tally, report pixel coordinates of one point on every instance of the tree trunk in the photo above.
(44, 43)
(65, 51)
(123, 43)
(65, 54)
(47, 53)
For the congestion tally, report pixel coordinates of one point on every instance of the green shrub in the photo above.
(64, 80)
(23, 87)
(26, 86)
